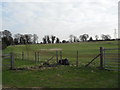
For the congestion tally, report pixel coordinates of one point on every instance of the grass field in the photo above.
(61, 76)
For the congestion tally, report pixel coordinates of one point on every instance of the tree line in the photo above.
(86, 37)
(7, 39)
(50, 39)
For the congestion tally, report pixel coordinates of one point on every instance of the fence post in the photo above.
(35, 58)
(11, 60)
(101, 57)
(57, 56)
(38, 56)
(60, 55)
(22, 55)
(77, 59)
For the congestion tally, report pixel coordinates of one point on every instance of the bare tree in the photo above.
(28, 38)
(96, 36)
(84, 37)
(48, 39)
(35, 38)
(105, 37)
(71, 38)
(75, 39)
(53, 38)
(44, 39)
(57, 40)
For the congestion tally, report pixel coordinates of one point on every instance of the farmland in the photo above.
(61, 76)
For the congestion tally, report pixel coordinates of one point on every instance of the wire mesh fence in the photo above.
(75, 57)
(80, 58)
(111, 58)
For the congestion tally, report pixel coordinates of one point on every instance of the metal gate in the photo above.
(8, 60)
(111, 60)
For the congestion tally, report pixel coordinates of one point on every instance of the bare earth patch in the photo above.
(55, 49)
(36, 67)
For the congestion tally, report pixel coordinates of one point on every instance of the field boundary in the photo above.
(103, 58)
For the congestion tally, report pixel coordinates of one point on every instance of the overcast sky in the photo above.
(60, 17)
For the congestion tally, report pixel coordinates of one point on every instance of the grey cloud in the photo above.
(77, 17)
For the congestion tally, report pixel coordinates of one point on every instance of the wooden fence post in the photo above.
(101, 57)
(22, 55)
(35, 57)
(11, 61)
(60, 55)
(57, 56)
(38, 56)
(77, 59)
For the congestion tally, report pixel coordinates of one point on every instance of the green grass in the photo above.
(61, 76)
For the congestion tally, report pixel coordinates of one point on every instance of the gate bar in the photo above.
(112, 49)
(92, 60)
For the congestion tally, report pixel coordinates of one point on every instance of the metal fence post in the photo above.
(101, 57)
